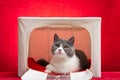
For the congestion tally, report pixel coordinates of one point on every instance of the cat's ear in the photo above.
(56, 38)
(71, 41)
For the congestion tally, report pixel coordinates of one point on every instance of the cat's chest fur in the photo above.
(65, 65)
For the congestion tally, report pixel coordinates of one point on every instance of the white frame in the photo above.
(28, 24)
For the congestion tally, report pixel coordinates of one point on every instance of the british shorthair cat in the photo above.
(65, 57)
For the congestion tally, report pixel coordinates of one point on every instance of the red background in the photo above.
(109, 10)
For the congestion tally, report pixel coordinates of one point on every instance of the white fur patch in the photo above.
(60, 52)
(63, 64)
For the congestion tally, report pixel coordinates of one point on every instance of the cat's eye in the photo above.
(57, 45)
(65, 46)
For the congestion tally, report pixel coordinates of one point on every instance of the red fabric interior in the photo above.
(33, 65)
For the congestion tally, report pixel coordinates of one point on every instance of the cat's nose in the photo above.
(59, 50)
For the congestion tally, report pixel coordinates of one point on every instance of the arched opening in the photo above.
(41, 39)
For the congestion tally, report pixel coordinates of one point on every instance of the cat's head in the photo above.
(63, 47)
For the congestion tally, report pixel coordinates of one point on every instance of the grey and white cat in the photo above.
(65, 57)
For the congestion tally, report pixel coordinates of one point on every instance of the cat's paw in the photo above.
(48, 71)
(50, 67)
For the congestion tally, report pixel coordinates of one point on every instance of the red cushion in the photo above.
(33, 65)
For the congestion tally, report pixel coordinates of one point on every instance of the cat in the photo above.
(65, 57)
